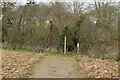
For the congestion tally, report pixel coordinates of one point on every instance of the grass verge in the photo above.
(67, 54)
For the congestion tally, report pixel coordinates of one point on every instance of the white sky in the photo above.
(24, 1)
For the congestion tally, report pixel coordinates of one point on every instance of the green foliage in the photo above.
(28, 50)
(71, 38)
(53, 53)
(81, 20)
(111, 58)
(7, 10)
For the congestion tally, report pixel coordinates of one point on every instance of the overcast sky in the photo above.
(24, 1)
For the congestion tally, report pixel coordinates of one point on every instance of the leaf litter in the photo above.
(18, 64)
(98, 68)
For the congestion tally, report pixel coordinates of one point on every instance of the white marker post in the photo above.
(65, 46)
(78, 48)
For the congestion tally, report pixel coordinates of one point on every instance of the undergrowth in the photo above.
(67, 54)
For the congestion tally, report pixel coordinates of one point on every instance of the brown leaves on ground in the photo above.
(18, 64)
(97, 68)
(0, 64)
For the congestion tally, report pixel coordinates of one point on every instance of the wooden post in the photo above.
(65, 46)
(78, 48)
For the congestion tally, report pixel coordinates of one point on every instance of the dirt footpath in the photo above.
(56, 67)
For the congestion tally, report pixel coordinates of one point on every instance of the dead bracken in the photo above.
(18, 64)
(97, 68)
